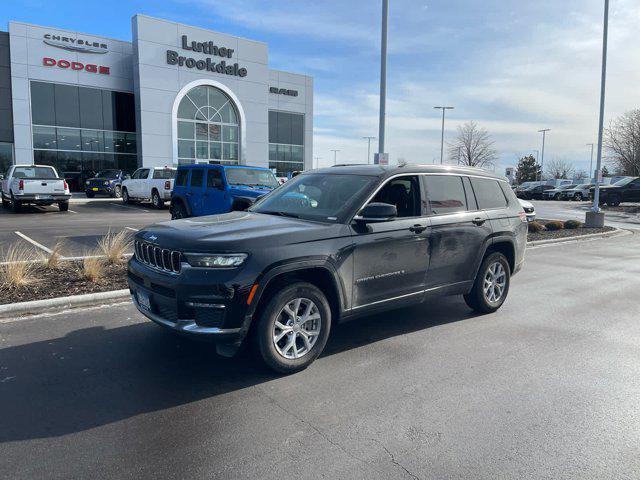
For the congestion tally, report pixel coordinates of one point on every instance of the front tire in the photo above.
(613, 200)
(117, 192)
(90, 194)
(125, 196)
(578, 197)
(491, 285)
(293, 328)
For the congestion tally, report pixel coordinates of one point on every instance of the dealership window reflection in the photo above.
(208, 127)
(286, 142)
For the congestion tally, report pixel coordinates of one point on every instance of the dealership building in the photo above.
(174, 94)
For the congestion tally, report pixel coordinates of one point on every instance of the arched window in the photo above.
(208, 127)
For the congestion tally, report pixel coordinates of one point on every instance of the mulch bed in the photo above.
(65, 281)
(575, 232)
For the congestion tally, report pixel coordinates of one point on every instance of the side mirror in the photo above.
(127, 177)
(377, 212)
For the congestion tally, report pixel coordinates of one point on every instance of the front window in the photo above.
(624, 181)
(320, 197)
(251, 177)
(208, 127)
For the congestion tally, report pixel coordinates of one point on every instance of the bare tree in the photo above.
(559, 169)
(622, 141)
(473, 147)
(581, 175)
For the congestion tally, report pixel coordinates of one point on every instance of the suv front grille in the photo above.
(161, 259)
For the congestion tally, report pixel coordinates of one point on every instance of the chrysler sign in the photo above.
(75, 44)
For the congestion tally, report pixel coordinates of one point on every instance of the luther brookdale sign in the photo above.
(209, 64)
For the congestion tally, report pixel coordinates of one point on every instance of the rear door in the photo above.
(214, 196)
(195, 191)
(391, 258)
(458, 230)
(141, 183)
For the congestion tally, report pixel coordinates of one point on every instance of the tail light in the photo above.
(167, 185)
(21, 185)
(65, 184)
(523, 216)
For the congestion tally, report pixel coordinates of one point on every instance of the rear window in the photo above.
(197, 175)
(488, 193)
(181, 178)
(445, 194)
(164, 174)
(34, 172)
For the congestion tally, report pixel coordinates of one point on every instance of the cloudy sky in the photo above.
(513, 66)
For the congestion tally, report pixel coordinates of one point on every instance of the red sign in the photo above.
(66, 64)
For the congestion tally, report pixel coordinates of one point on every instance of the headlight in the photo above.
(87, 182)
(106, 184)
(223, 260)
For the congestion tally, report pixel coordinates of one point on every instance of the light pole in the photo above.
(442, 138)
(317, 159)
(335, 155)
(597, 218)
(544, 134)
(368, 139)
(383, 76)
(591, 162)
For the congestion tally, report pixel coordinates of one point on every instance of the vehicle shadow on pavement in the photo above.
(95, 376)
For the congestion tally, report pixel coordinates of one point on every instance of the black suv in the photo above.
(625, 190)
(327, 246)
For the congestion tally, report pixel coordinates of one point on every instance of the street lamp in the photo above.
(368, 139)
(591, 162)
(383, 76)
(544, 134)
(317, 159)
(442, 138)
(335, 155)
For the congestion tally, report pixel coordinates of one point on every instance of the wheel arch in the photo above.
(175, 199)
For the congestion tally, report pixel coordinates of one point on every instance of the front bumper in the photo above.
(193, 302)
(104, 190)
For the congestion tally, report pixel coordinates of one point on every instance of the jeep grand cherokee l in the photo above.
(327, 246)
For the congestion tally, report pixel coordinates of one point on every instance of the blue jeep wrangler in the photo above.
(204, 189)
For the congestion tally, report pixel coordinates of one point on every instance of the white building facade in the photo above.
(175, 94)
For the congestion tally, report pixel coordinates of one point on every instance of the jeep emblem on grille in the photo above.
(153, 238)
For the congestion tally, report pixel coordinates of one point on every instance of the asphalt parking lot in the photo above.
(80, 228)
(547, 387)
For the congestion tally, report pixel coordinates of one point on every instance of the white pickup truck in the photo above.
(153, 184)
(35, 185)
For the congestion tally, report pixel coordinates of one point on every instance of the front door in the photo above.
(391, 258)
(633, 192)
(214, 195)
(458, 230)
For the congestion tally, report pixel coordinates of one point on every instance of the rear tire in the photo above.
(578, 197)
(493, 277)
(613, 200)
(156, 200)
(63, 206)
(283, 337)
(125, 196)
(16, 206)
(5, 202)
(178, 211)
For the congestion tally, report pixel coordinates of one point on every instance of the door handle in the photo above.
(417, 228)
(478, 221)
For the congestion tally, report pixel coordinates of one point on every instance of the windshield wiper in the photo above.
(282, 214)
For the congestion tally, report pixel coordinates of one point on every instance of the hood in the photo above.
(605, 187)
(237, 231)
(254, 192)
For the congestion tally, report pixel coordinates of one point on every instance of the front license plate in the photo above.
(95, 189)
(144, 300)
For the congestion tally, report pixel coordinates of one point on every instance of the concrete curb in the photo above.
(578, 238)
(37, 306)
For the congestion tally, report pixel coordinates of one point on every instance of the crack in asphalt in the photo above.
(394, 461)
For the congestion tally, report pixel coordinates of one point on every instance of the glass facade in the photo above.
(6, 156)
(208, 128)
(79, 129)
(286, 142)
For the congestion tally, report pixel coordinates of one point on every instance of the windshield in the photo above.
(108, 174)
(34, 172)
(567, 187)
(321, 197)
(624, 181)
(251, 177)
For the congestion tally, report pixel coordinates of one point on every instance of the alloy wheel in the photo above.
(495, 281)
(297, 328)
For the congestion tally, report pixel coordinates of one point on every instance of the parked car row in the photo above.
(626, 189)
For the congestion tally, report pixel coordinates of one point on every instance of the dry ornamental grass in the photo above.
(18, 268)
(114, 245)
